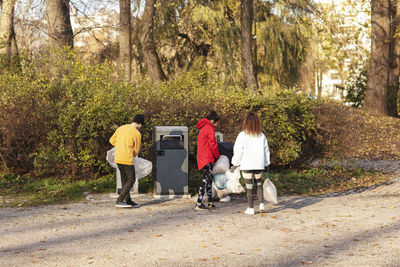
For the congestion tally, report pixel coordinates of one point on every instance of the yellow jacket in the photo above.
(127, 141)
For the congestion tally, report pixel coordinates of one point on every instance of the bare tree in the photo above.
(394, 70)
(376, 94)
(59, 23)
(125, 47)
(151, 58)
(7, 35)
(246, 21)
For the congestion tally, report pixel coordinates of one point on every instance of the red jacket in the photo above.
(207, 147)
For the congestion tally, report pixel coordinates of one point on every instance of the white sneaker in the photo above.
(225, 199)
(262, 208)
(249, 211)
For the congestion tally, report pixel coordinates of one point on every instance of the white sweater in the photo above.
(251, 152)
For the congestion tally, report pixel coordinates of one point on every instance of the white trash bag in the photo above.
(233, 185)
(219, 193)
(143, 167)
(221, 165)
(270, 193)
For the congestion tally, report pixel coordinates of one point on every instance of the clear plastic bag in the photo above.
(270, 193)
(143, 167)
(220, 180)
(221, 165)
(233, 184)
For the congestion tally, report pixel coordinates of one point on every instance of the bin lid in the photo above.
(170, 128)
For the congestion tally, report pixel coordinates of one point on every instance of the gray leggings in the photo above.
(248, 179)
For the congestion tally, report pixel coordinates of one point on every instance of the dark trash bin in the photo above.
(171, 161)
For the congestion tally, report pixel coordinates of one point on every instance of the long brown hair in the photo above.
(252, 124)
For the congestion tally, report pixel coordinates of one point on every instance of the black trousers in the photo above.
(206, 183)
(127, 179)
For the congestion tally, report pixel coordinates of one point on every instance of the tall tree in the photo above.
(376, 94)
(59, 23)
(151, 58)
(246, 22)
(7, 35)
(394, 70)
(125, 47)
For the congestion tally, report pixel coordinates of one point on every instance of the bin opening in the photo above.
(171, 142)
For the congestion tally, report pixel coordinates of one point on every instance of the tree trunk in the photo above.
(246, 20)
(151, 58)
(125, 47)
(59, 23)
(394, 70)
(376, 94)
(7, 26)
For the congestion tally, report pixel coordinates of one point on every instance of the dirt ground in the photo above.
(350, 229)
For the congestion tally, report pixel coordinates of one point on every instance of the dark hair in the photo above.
(252, 124)
(139, 119)
(213, 116)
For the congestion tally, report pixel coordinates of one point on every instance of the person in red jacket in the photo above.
(207, 153)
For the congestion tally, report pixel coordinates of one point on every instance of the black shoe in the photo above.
(133, 204)
(211, 205)
(200, 207)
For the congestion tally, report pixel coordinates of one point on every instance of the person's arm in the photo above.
(113, 139)
(238, 150)
(267, 153)
(212, 143)
(136, 144)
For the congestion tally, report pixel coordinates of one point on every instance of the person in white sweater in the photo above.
(251, 154)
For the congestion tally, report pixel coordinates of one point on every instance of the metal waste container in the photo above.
(171, 161)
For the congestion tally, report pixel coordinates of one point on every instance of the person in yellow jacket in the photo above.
(127, 141)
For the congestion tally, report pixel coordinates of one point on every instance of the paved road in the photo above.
(357, 229)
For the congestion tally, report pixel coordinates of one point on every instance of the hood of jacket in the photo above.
(202, 123)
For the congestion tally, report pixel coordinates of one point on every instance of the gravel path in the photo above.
(357, 229)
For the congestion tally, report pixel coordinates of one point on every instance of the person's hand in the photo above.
(233, 168)
(266, 169)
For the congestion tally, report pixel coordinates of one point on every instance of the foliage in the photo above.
(59, 121)
(355, 87)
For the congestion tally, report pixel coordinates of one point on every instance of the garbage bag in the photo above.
(219, 193)
(143, 167)
(220, 180)
(270, 193)
(233, 184)
(221, 165)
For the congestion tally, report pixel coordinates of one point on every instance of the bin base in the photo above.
(185, 196)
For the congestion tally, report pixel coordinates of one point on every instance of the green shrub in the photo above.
(58, 114)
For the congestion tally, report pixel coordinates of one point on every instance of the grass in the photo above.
(26, 191)
(21, 191)
(317, 181)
